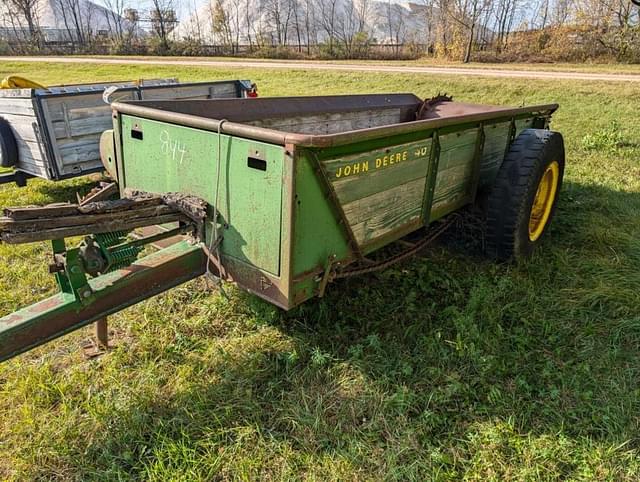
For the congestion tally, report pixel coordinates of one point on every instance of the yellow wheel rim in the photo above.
(543, 202)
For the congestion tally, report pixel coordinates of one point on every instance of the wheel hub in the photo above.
(543, 200)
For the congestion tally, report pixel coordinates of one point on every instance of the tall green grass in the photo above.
(446, 367)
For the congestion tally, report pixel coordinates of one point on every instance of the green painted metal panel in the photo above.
(161, 157)
(317, 233)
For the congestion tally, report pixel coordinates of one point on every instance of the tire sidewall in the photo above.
(552, 151)
(8, 145)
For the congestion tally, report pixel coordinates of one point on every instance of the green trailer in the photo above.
(291, 194)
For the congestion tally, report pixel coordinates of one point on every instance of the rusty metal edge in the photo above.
(288, 248)
(330, 140)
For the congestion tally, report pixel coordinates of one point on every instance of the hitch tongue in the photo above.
(99, 297)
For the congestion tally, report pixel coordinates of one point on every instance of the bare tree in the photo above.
(77, 17)
(429, 13)
(163, 21)
(561, 12)
(297, 22)
(467, 13)
(347, 26)
(310, 23)
(249, 20)
(279, 14)
(328, 16)
(221, 24)
(132, 16)
(27, 9)
(114, 11)
(23, 18)
(396, 25)
(193, 28)
(504, 12)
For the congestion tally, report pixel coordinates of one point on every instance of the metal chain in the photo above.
(216, 240)
(380, 265)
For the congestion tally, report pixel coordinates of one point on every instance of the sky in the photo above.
(183, 6)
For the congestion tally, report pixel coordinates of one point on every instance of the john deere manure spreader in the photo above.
(284, 195)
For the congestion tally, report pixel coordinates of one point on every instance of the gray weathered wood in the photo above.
(106, 227)
(75, 116)
(48, 223)
(16, 106)
(103, 193)
(189, 92)
(376, 215)
(35, 212)
(332, 123)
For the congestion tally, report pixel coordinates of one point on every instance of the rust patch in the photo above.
(11, 319)
(44, 305)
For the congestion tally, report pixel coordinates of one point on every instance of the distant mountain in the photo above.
(282, 21)
(63, 20)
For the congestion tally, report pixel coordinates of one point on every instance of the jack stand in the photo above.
(102, 333)
(100, 345)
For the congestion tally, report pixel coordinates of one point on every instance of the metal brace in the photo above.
(70, 273)
(327, 276)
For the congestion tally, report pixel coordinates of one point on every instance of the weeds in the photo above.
(447, 367)
(609, 139)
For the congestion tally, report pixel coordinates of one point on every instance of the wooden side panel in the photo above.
(191, 92)
(495, 144)
(386, 211)
(381, 191)
(455, 169)
(332, 123)
(17, 108)
(18, 93)
(79, 150)
(76, 123)
(75, 127)
(84, 105)
(22, 125)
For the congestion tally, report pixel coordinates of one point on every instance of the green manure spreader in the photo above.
(283, 196)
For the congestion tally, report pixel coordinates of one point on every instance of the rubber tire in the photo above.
(8, 145)
(511, 198)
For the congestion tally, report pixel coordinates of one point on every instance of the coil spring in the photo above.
(121, 257)
(106, 240)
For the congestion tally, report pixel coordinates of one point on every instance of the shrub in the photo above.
(610, 138)
(128, 46)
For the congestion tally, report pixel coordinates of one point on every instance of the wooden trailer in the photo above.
(53, 133)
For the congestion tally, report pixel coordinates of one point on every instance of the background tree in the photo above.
(22, 16)
(163, 19)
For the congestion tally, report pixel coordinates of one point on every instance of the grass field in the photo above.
(447, 367)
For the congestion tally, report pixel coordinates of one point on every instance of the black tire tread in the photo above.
(508, 202)
(8, 145)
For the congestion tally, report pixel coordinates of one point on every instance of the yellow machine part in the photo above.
(17, 82)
